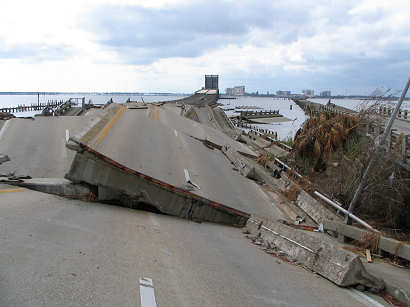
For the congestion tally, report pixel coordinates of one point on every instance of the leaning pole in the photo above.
(374, 156)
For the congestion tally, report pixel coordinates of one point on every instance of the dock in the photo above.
(318, 107)
(33, 107)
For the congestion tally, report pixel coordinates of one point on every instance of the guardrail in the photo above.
(388, 110)
(389, 245)
(33, 107)
(338, 207)
(392, 142)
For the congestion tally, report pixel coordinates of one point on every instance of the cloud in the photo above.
(164, 45)
(35, 52)
(144, 35)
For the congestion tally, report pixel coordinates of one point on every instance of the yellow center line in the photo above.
(151, 113)
(109, 126)
(156, 113)
(11, 190)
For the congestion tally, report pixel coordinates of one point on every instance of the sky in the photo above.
(348, 47)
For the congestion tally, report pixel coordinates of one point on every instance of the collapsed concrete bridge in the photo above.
(138, 155)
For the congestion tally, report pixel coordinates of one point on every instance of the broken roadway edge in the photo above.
(56, 186)
(397, 279)
(133, 187)
(320, 213)
(395, 282)
(315, 251)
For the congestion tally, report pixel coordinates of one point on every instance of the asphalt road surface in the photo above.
(60, 252)
(36, 147)
(158, 142)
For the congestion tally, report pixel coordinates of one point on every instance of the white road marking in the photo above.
(188, 179)
(176, 132)
(3, 129)
(367, 300)
(154, 220)
(67, 135)
(147, 292)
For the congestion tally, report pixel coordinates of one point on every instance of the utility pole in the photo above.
(374, 156)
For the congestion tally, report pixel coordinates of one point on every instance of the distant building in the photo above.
(236, 91)
(325, 94)
(308, 92)
(283, 93)
(211, 82)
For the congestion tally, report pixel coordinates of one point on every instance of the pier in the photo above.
(258, 114)
(318, 107)
(33, 107)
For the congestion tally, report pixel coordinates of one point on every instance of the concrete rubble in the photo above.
(314, 209)
(239, 162)
(315, 251)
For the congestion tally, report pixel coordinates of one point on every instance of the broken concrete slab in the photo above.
(240, 163)
(315, 209)
(56, 186)
(389, 245)
(133, 187)
(315, 251)
(189, 112)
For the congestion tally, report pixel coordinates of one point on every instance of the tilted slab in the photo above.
(315, 251)
(96, 169)
(240, 163)
(56, 186)
(315, 209)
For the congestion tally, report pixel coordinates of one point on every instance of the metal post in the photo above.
(374, 156)
(338, 207)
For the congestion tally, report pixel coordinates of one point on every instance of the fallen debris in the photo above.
(368, 256)
(316, 252)
(240, 163)
(6, 115)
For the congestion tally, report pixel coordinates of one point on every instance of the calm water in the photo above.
(284, 130)
(14, 100)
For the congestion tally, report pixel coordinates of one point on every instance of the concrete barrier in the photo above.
(389, 245)
(135, 188)
(315, 209)
(315, 251)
